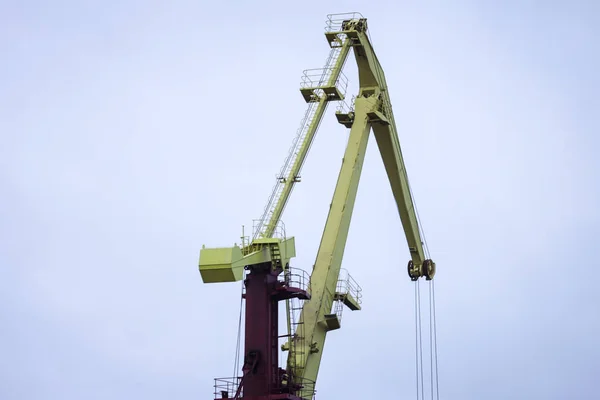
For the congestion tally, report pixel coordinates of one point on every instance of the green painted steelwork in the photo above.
(325, 93)
(324, 278)
(372, 108)
(226, 264)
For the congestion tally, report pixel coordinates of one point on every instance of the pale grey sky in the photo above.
(134, 132)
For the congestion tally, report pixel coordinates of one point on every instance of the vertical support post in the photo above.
(260, 362)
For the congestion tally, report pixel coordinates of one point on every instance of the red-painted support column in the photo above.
(260, 363)
(262, 377)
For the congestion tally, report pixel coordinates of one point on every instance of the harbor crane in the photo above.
(263, 260)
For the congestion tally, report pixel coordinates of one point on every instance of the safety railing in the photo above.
(338, 309)
(296, 278)
(319, 77)
(261, 225)
(278, 231)
(347, 285)
(245, 246)
(307, 389)
(226, 388)
(344, 108)
(291, 161)
(335, 22)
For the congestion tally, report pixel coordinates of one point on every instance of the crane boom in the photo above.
(316, 318)
(264, 262)
(372, 109)
(289, 175)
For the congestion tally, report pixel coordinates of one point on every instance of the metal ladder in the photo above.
(297, 336)
(299, 140)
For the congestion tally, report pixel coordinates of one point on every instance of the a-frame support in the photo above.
(372, 108)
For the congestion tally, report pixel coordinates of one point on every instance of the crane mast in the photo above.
(315, 302)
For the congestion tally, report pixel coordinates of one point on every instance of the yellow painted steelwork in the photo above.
(372, 111)
(372, 108)
(226, 264)
(321, 94)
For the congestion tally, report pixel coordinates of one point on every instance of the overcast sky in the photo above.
(133, 132)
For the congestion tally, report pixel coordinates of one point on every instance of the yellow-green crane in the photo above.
(263, 262)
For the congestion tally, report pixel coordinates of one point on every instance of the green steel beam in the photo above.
(372, 109)
(291, 179)
(309, 345)
(386, 136)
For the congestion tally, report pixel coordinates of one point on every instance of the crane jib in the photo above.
(315, 302)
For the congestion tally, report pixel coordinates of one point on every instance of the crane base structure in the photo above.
(314, 302)
(261, 373)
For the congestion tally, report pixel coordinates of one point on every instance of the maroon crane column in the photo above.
(263, 379)
(260, 362)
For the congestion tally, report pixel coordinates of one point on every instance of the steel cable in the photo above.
(236, 363)
(431, 337)
(421, 341)
(437, 387)
(416, 340)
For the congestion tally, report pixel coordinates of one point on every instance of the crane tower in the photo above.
(263, 260)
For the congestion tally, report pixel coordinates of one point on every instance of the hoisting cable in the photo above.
(432, 315)
(417, 339)
(236, 363)
(431, 324)
(420, 330)
(437, 388)
(421, 341)
(432, 319)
